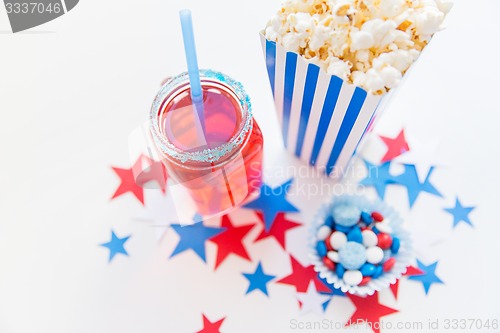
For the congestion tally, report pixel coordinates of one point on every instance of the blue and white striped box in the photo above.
(322, 117)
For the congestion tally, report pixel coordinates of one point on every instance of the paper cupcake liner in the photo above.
(322, 117)
(404, 257)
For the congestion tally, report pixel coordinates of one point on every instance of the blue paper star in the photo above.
(460, 213)
(409, 179)
(194, 237)
(115, 245)
(429, 277)
(378, 177)
(272, 201)
(258, 280)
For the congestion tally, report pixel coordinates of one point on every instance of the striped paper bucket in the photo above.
(322, 118)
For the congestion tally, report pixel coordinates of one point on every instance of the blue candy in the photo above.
(375, 230)
(343, 229)
(368, 269)
(321, 248)
(346, 215)
(352, 255)
(367, 218)
(340, 270)
(378, 271)
(355, 235)
(396, 243)
(329, 222)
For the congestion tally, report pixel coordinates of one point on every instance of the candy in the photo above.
(321, 248)
(355, 235)
(352, 255)
(387, 255)
(377, 217)
(323, 232)
(346, 215)
(328, 245)
(343, 229)
(375, 230)
(384, 240)
(384, 227)
(329, 222)
(333, 256)
(389, 264)
(367, 218)
(374, 255)
(329, 264)
(365, 280)
(396, 243)
(368, 269)
(340, 270)
(369, 238)
(352, 277)
(337, 240)
(378, 272)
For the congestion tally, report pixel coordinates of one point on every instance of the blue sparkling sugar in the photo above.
(346, 215)
(352, 255)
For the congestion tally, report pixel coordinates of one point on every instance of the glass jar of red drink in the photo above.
(216, 156)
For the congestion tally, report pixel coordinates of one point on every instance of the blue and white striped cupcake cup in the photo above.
(322, 117)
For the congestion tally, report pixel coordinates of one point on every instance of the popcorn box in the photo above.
(322, 117)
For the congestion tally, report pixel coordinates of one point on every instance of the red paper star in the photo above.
(369, 310)
(231, 241)
(209, 327)
(278, 229)
(395, 147)
(410, 271)
(128, 183)
(301, 276)
(148, 170)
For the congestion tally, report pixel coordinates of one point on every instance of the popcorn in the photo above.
(370, 43)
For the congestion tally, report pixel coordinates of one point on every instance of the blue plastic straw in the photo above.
(192, 63)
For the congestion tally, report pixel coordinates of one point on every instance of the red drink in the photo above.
(219, 160)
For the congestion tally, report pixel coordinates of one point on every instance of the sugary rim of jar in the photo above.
(206, 155)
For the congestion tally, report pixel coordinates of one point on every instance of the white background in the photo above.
(73, 89)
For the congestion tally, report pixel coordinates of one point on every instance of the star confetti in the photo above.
(278, 229)
(301, 276)
(409, 179)
(395, 147)
(428, 277)
(460, 213)
(410, 271)
(423, 155)
(231, 241)
(209, 327)
(116, 245)
(369, 310)
(128, 183)
(272, 201)
(258, 280)
(312, 301)
(378, 177)
(194, 237)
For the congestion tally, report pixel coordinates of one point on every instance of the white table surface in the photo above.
(72, 90)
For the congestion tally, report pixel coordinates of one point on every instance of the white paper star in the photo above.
(423, 155)
(312, 301)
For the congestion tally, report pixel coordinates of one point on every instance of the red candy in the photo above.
(389, 264)
(365, 280)
(384, 241)
(377, 217)
(328, 245)
(328, 263)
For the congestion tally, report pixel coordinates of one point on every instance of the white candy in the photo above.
(338, 239)
(369, 238)
(352, 278)
(333, 256)
(323, 232)
(384, 227)
(374, 255)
